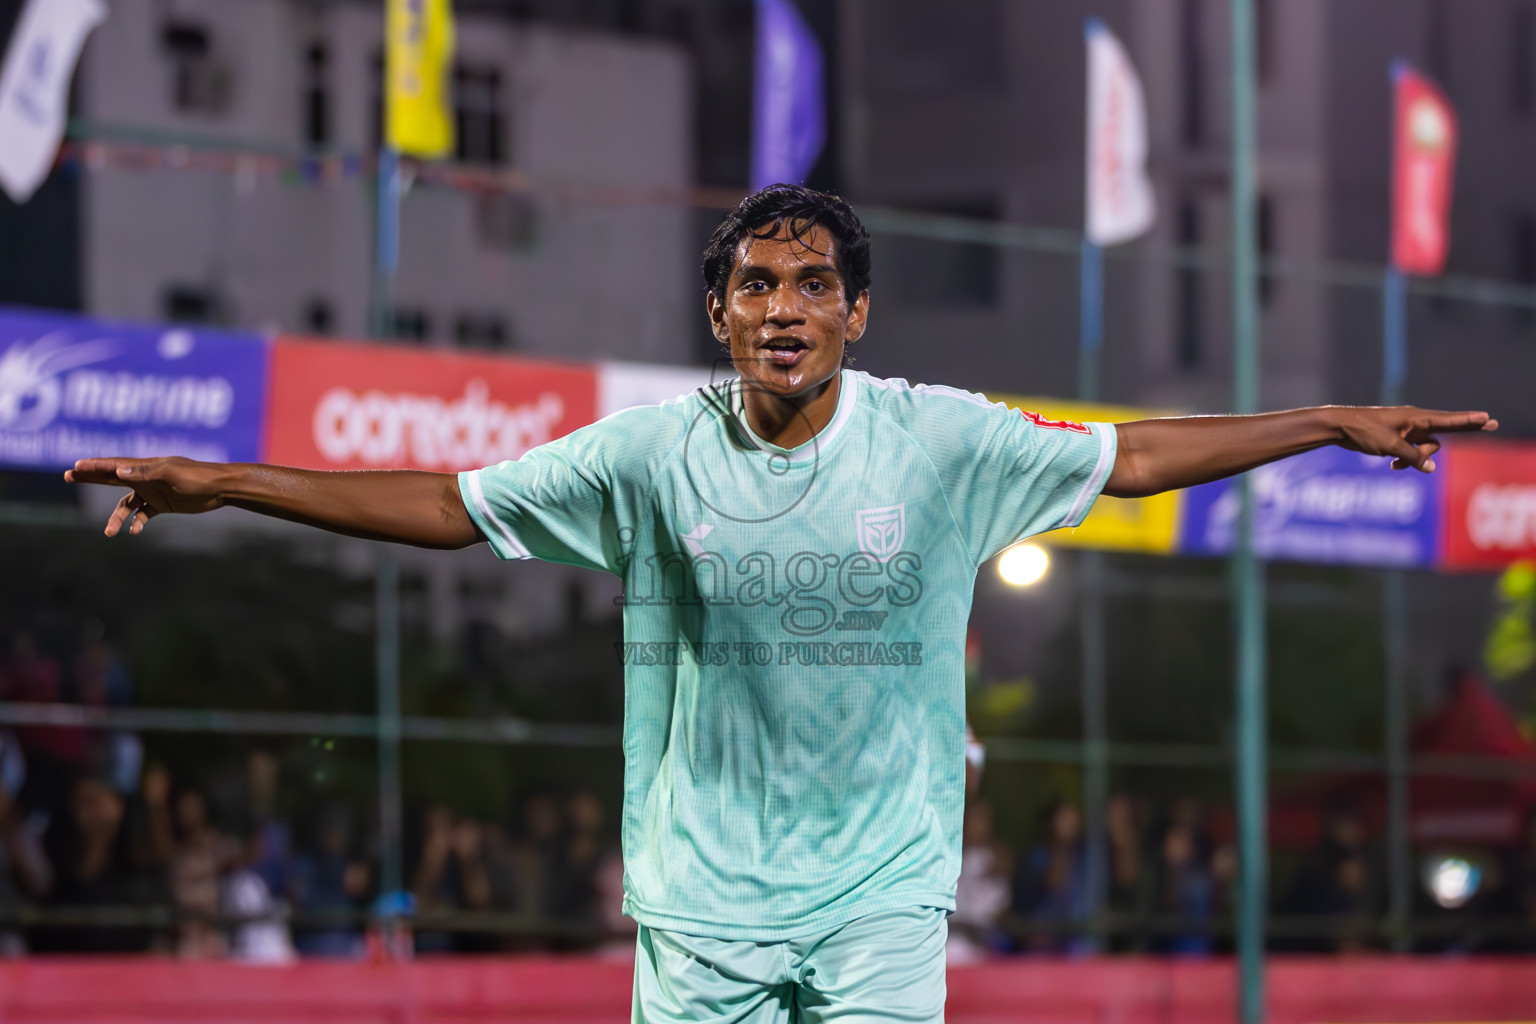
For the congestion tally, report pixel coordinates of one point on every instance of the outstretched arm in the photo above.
(406, 506)
(1165, 454)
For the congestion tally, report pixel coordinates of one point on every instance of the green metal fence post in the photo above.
(1395, 635)
(1247, 573)
(387, 583)
(1091, 607)
(387, 653)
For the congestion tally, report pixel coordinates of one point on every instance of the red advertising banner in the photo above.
(350, 406)
(1424, 162)
(1490, 503)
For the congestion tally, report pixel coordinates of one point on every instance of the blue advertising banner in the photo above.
(1327, 506)
(72, 388)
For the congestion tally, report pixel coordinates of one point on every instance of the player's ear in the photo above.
(716, 309)
(858, 317)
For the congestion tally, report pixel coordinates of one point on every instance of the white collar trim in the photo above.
(847, 397)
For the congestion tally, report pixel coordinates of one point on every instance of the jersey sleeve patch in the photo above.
(1050, 424)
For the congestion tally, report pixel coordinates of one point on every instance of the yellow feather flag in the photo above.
(418, 51)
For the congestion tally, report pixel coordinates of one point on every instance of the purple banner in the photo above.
(1327, 506)
(790, 108)
(72, 388)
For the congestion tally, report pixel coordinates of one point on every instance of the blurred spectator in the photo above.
(331, 881)
(270, 842)
(1050, 884)
(981, 895)
(88, 851)
(101, 680)
(260, 933)
(54, 753)
(619, 927)
(202, 855)
(25, 874)
(1129, 892)
(451, 874)
(151, 832)
(1185, 894)
(536, 857)
(1335, 883)
(575, 899)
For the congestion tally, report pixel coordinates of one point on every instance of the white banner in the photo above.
(626, 385)
(1119, 195)
(34, 88)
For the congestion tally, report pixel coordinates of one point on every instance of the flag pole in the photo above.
(1247, 573)
(1091, 592)
(1395, 631)
(387, 578)
(386, 263)
(1090, 319)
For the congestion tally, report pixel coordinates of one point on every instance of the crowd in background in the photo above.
(104, 849)
(1166, 883)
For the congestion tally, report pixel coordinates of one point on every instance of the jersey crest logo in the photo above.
(881, 530)
(1041, 421)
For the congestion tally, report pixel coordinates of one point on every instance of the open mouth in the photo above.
(785, 351)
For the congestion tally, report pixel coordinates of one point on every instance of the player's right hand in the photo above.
(159, 486)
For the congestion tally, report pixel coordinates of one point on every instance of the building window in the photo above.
(478, 118)
(1265, 228)
(1190, 291)
(200, 82)
(1192, 73)
(481, 330)
(1522, 58)
(317, 95)
(191, 304)
(319, 318)
(1523, 264)
(507, 221)
(411, 323)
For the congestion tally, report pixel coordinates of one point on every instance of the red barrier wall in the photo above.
(575, 991)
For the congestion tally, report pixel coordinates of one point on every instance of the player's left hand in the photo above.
(1406, 433)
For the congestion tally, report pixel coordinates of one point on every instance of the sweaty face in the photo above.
(786, 314)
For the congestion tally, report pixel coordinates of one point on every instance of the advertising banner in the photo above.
(1328, 506)
(1490, 503)
(72, 388)
(1148, 525)
(1424, 162)
(626, 385)
(349, 406)
(1120, 202)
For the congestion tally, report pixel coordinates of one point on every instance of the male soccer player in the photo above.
(798, 548)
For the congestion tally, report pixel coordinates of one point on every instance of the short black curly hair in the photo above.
(770, 210)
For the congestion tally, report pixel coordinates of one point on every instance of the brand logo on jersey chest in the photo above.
(881, 530)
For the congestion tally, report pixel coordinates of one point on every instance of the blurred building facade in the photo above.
(980, 114)
(587, 264)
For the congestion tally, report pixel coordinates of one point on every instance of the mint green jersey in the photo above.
(794, 633)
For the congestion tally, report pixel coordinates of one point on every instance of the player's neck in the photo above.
(791, 420)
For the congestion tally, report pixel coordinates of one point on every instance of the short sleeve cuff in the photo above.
(1099, 476)
(501, 536)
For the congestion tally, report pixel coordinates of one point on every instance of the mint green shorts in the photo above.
(884, 967)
